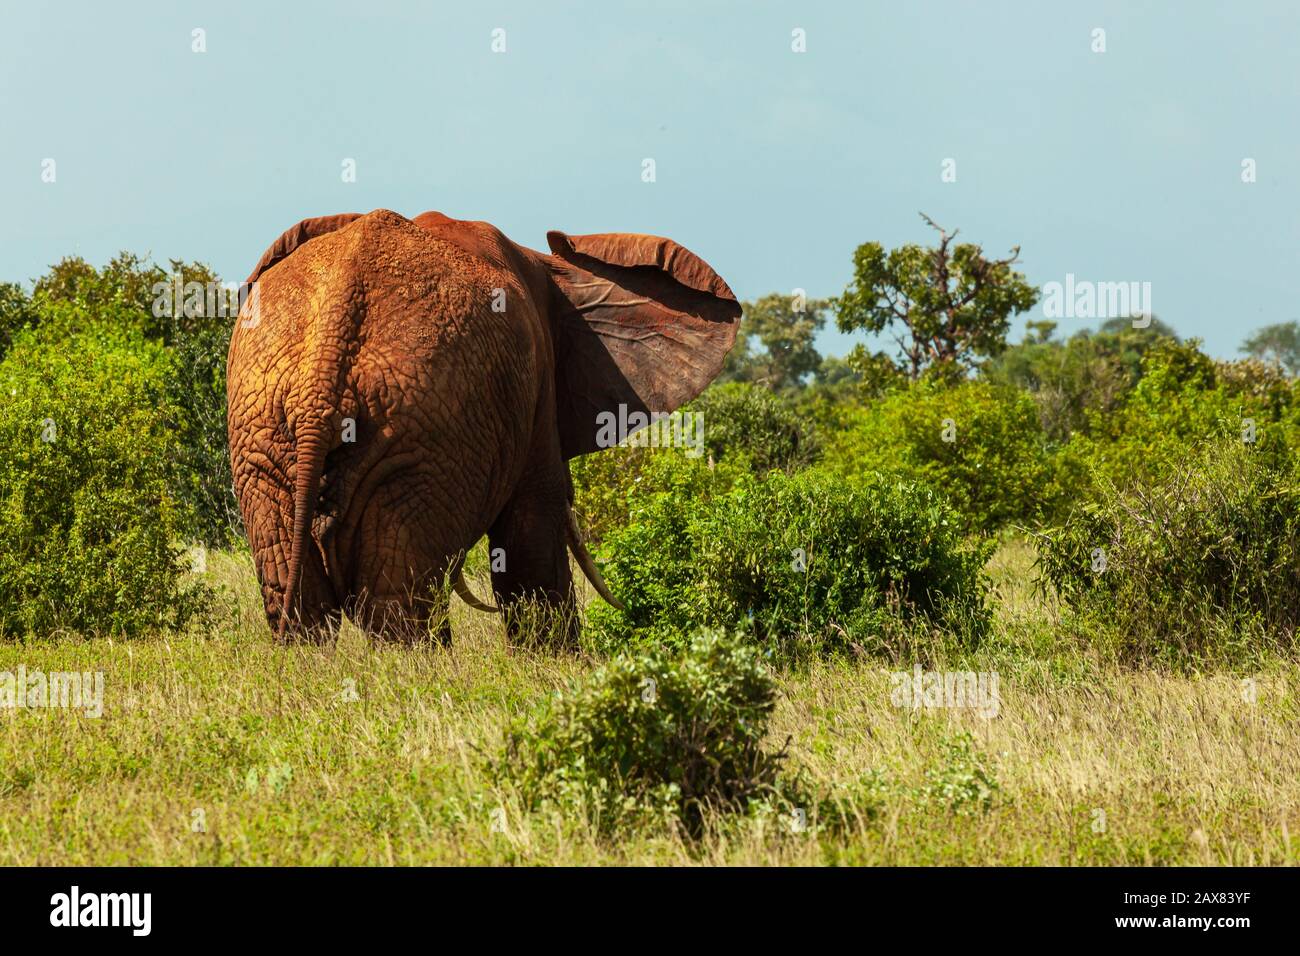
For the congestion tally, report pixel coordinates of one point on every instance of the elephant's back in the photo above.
(416, 287)
(444, 363)
(449, 325)
(425, 307)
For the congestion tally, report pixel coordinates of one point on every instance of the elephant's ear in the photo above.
(295, 236)
(642, 323)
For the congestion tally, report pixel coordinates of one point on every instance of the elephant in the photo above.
(399, 388)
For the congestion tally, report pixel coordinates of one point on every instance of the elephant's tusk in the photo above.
(465, 594)
(588, 565)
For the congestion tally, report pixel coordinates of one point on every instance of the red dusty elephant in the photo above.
(398, 388)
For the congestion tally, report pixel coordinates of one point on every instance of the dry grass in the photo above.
(285, 765)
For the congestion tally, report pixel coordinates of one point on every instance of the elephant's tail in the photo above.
(312, 447)
(317, 417)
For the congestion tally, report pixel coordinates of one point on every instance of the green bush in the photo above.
(1182, 398)
(746, 429)
(652, 738)
(196, 388)
(139, 293)
(15, 312)
(803, 562)
(751, 421)
(980, 445)
(1203, 564)
(965, 784)
(609, 485)
(1081, 378)
(132, 294)
(88, 515)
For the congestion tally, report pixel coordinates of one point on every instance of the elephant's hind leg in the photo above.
(530, 566)
(398, 587)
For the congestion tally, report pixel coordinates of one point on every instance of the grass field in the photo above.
(217, 747)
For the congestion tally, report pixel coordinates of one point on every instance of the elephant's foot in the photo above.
(529, 556)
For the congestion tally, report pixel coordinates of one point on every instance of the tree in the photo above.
(953, 304)
(1278, 344)
(1149, 333)
(1088, 373)
(835, 370)
(785, 328)
(137, 283)
(15, 312)
(134, 295)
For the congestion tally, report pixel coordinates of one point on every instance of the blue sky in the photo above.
(773, 165)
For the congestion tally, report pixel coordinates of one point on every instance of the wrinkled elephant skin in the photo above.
(399, 388)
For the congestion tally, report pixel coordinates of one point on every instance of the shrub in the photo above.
(610, 485)
(132, 294)
(803, 562)
(751, 421)
(964, 784)
(136, 291)
(196, 388)
(1204, 563)
(1183, 398)
(652, 738)
(15, 312)
(1075, 380)
(88, 517)
(981, 445)
(1264, 384)
(745, 427)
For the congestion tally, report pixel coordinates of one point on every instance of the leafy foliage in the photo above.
(141, 293)
(655, 737)
(181, 308)
(965, 783)
(745, 428)
(609, 485)
(1074, 381)
(16, 312)
(774, 346)
(1182, 398)
(805, 563)
(197, 389)
(89, 513)
(1204, 563)
(765, 429)
(1277, 345)
(980, 445)
(950, 303)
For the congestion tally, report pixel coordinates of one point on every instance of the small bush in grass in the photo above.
(1202, 564)
(964, 784)
(88, 514)
(803, 562)
(652, 738)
